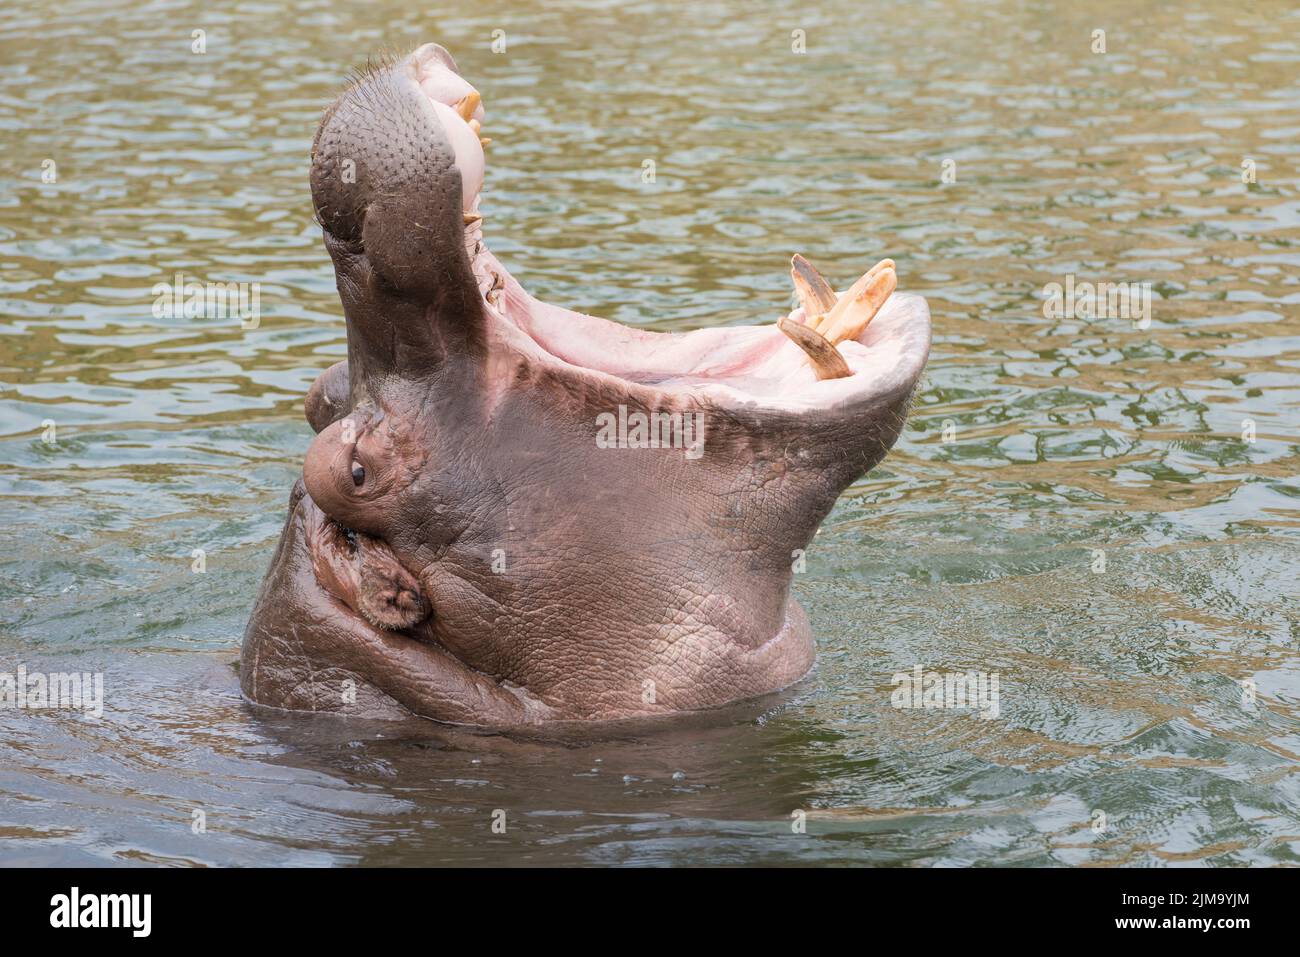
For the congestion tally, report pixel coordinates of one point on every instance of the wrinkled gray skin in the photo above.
(494, 566)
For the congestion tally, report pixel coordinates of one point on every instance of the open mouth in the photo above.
(865, 344)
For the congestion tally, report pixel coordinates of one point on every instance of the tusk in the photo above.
(825, 359)
(828, 321)
(484, 140)
(468, 105)
(815, 293)
(863, 307)
(476, 126)
(472, 218)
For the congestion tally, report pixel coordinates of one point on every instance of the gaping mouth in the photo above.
(865, 345)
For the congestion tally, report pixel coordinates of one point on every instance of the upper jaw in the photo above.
(459, 109)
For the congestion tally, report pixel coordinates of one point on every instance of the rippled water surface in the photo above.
(1105, 516)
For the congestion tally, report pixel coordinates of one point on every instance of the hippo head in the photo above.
(514, 513)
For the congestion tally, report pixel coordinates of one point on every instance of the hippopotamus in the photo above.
(514, 514)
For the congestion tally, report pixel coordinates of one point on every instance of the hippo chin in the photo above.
(512, 513)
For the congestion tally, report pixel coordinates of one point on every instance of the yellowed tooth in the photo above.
(825, 359)
(484, 140)
(468, 105)
(863, 307)
(476, 127)
(828, 321)
(815, 293)
(472, 218)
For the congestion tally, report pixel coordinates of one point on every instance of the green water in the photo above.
(1073, 506)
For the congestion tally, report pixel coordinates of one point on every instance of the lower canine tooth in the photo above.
(476, 126)
(472, 218)
(863, 307)
(830, 319)
(825, 359)
(815, 293)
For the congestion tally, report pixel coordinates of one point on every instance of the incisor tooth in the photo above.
(815, 293)
(829, 320)
(484, 140)
(468, 105)
(825, 359)
(863, 307)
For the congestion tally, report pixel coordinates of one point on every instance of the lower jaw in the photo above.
(746, 367)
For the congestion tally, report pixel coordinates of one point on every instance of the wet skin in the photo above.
(464, 545)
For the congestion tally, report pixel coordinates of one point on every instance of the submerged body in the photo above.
(513, 513)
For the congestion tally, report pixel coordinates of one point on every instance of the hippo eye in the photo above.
(358, 473)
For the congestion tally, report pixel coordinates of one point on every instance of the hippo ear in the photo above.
(329, 398)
